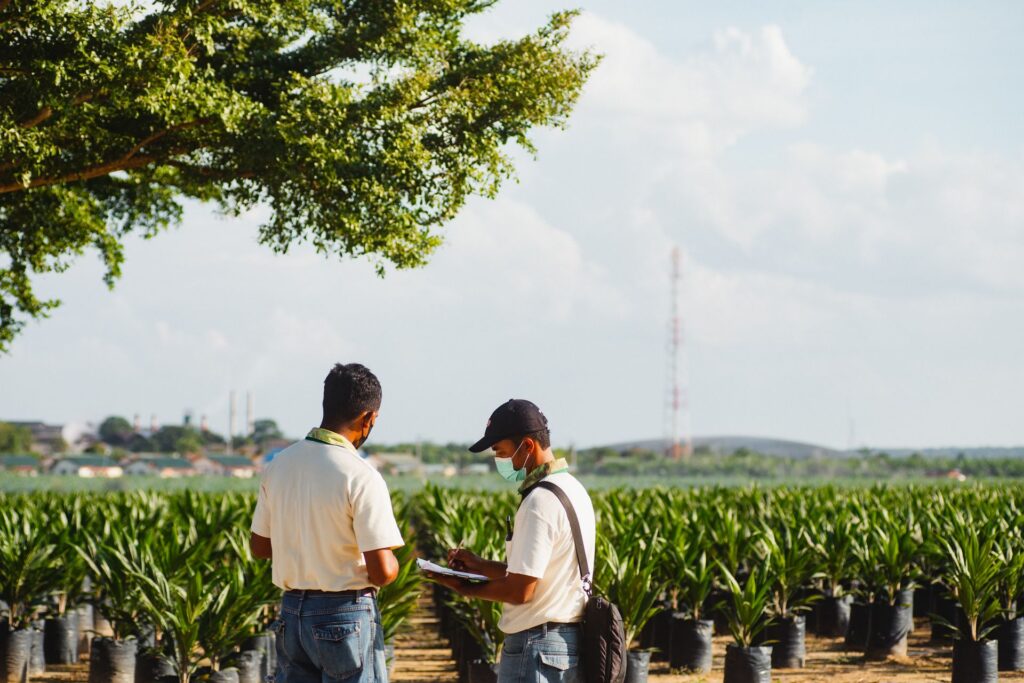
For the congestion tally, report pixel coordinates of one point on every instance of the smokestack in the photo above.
(204, 424)
(152, 423)
(231, 418)
(137, 423)
(250, 421)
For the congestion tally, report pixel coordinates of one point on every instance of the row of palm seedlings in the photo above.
(168, 576)
(768, 566)
(447, 518)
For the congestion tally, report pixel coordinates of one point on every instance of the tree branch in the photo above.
(42, 115)
(126, 162)
(86, 174)
(47, 111)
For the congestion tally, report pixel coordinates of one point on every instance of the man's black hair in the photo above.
(543, 438)
(349, 391)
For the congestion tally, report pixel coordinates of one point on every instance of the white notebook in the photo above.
(428, 566)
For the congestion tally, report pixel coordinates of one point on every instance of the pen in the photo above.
(456, 552)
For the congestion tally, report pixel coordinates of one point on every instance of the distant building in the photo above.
(52, 439)
(395, 463)
(439, 469)
(477, 468)
(87, 466)
(234, 466)
(165, 467)
(27, 465)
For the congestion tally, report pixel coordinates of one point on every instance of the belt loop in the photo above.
(544, 628)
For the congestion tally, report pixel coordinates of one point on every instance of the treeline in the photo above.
(433, 454)
(742, 463)
(117, 433)
(745, 463)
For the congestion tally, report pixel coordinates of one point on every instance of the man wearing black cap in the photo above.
(540, 582)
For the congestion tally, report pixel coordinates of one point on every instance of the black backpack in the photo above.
(603, 651)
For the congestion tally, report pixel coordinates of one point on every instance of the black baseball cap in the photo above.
(516, 417)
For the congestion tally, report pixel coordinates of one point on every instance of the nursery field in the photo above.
(797, 582)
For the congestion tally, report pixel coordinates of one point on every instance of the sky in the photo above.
(845, 181)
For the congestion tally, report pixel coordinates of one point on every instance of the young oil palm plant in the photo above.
(791, 568)
(29, 561)
(748, 614)
(628, 574)
(973, 577)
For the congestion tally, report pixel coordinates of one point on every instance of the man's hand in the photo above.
(463, 560)
(260, 547)
(514, 589)
(453, 582)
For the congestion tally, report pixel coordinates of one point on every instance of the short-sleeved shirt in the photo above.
(542, 547)
(322, 506)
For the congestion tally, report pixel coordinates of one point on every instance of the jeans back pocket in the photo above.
(339, 648)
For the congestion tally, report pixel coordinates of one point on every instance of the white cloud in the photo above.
(745, 81)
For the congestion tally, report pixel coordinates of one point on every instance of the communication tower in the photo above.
(677, 408)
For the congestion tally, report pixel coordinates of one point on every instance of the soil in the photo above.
(828, 661)
(421, 657)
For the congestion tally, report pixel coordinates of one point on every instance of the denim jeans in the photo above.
(329, 639)
(543, 654)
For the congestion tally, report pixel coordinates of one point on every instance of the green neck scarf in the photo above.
(328, 437)
(553, 467)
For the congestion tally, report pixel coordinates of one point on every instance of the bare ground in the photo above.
(423, 658)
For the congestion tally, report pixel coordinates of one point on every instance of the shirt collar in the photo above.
(330, 438)
(553, 467)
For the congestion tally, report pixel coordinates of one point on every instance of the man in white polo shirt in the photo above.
(540, 583)
(324, 518)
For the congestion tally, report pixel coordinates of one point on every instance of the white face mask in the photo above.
(505, 468)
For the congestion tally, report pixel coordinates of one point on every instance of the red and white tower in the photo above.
(677, 407)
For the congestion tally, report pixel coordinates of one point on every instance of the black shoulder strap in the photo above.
(577, 535)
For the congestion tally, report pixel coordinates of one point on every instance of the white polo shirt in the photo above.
(542, 547)
(322, 507)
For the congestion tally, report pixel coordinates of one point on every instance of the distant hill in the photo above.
(800, 450)
(730, 444)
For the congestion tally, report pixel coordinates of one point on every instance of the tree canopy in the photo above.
(116, 431)
(364, 125)
(14, 438)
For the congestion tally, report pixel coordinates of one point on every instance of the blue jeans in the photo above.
(329, 639)
(543, 654)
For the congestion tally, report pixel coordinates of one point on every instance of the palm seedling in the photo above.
(29, 561)
(749, 604)
(1008, 546)
(835, 550)
(628, 574)
(693, 577)
(791, 567)
(693, 574)
(894, 543)
(973, 578)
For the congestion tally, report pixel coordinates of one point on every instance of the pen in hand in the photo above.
(454, 563)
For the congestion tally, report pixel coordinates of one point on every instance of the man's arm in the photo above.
(465, 561)
(514, 589)
(260, 547)
(381, 566)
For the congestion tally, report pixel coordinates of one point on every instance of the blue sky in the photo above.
(846, 182)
